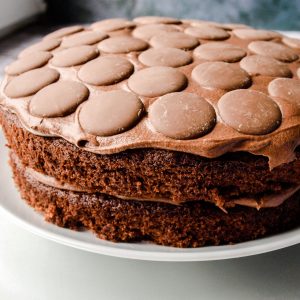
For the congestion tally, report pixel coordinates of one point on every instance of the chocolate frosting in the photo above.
(120, 45)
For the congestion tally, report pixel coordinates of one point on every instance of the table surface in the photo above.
(32, 268)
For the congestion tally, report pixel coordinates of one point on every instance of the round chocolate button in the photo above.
(266, 66)
(30, 82)
(207, 32)
(58, 99)
(122, 44)
(156, 19)
(174, 40)
(288, 89)
(74, 56)
(196, 22)
(256, 34)
(44, 45)
(291, 42)
(110, 113)
(105, 70)
(275, 50)
(146, 32)
(182, 115)
(220, 75)
(64, 32)
(170, 57)
(219, 51)
(112, 25)
(28, 62)
(232, 26)
(249, 112)
(83, 38)
(157, 81)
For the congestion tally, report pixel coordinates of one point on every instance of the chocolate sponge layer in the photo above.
(150, 173)
(192, 224)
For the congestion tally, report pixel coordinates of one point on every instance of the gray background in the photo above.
(276, 14)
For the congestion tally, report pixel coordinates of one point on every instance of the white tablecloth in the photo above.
(32, 268)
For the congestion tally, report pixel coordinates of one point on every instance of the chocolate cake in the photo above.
(181, 132)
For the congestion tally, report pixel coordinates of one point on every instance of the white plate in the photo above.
(26, 217)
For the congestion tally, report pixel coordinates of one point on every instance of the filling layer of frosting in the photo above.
(267, 201)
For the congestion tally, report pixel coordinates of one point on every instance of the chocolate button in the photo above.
(174, 40)
(200, 23)
(220, 52)
(157, 81)
(182, 116)
(275, 50)
(226, 26)
(156, 19)
(83, 38)
(232, 26)
(63, 32)
(263, 65)
(288, 89)
(105, 70)
(28, 62)
(45, 45)
(110, 113)
(207, 32)
(122, 44)
(146, 32)
(255, 34)
(170, 57)
(112, 25)
(291, 42)
(58, 99)
(74, 56)
(30, 82)
(220, 75)
(249, 112)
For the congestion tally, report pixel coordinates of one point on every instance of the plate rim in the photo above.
(255, 247)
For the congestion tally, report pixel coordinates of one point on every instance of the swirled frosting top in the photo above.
(157, 82)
